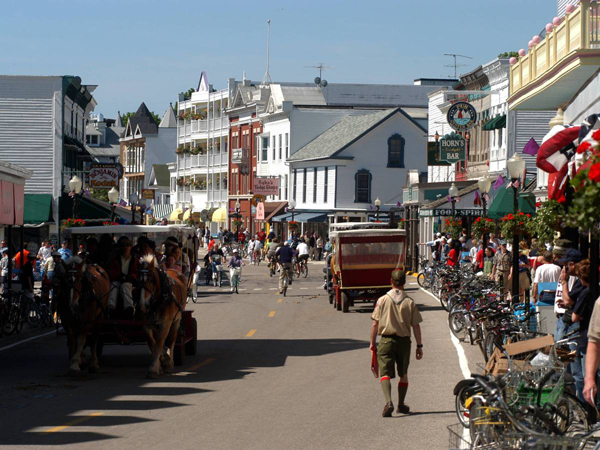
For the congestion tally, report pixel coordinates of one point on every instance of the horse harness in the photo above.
(165, 297)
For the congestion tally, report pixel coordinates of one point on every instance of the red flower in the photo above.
(538, 204)
(520, 223)
(596, 135)
(529, 216)
(594, 173)
(583, 147)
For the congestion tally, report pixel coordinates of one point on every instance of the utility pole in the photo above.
(456, 65)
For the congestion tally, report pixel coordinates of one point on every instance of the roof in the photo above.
(119, 120)
(143, 118)
(168, 119)
(343, 134)
(111, 146)
(162, 174)
(90, 130)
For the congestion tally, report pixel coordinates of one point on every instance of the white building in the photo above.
(43, 130)
(199, 180)
(363, 157)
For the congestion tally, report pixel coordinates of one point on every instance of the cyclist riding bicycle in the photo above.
(303, 252)
(284, 256)
(235, 262)
(215, 256)
(272, 250)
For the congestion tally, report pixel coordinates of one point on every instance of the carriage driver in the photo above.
(122, 273)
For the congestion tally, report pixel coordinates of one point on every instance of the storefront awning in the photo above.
(503, 204)
(284, 218)
(497, 122)
(272, 209)
(311, 217)
(37, 208)
(220, 215)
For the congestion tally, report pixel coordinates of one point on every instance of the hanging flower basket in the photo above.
(453, 228)
(293, 225)
(519, 223)
(108, 223)
(236, 223)
(547, 220)
(483, 225)
(72, 223)
(401, 224)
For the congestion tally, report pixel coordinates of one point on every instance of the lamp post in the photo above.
(377, 206)
(133, 199)
(75, 185)
(292, 204)
(113, 197)
(237, 216)
(453, 193)
(484, 184)
(516, 167)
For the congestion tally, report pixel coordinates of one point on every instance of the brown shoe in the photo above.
(388, 410)
(403, 409)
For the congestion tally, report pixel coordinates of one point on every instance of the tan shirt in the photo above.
(396, 313)
(594, 328)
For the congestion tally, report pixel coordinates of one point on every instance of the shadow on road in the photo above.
(36, 396)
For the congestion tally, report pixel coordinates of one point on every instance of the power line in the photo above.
(456, 65)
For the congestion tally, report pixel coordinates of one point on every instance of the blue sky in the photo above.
(148, 50)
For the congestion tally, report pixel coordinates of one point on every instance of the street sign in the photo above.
(461, 116)
(104, 176)
(433, 155)
(452, 148)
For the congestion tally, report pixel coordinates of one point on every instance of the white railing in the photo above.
(184, 196)
(236, 156)
(579, 31)
(218, 195)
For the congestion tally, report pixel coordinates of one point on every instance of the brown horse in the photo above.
(162, 299)
(90, 287)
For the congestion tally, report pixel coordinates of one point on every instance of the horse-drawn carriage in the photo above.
(364, 256)
(160, 297)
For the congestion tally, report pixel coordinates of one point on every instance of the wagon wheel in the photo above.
(190, 346)
(345, 302)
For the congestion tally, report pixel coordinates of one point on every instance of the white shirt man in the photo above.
(546, 273)
(302, 248)
(44, 252)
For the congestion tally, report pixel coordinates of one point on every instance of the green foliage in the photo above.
(188, 94)
(546, 221)
(519, 223)
(584, 212)
(453, 228)
(508, 55)
(100, 194)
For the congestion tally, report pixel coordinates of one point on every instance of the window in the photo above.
(315, 185)
(287, 145)
(396, 151)
(294, 187)
(362, 182)
(304, 187)
(326, 182)
(279, 184)
(265, 148)
(274, 147)
(256, 145)
(286, 186)
(280, 147)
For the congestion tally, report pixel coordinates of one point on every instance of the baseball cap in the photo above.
(571, 255)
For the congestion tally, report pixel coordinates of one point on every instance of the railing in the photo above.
(236, 156)
(579, 31)
(184, 196)
(217, 195)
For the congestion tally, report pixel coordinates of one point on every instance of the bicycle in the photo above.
(303, 266)
(287, 278)
(235, 274)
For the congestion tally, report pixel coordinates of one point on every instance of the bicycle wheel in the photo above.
(421, 280)
(462, 411)
(457, 323)
(304, 270)
(285, 285)
(10, 322)
(572, 418)
(444, 300)
(33, 315)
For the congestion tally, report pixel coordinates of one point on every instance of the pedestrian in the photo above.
(473, 253)
(487, 263)
(220, 235)
(328, 247)
(272, 235)
(502, 265)
(319, 248)
(394, 315)
(546, 272)
(45, 251)
(251, 250)
(65, 251)
(207, 237)
(3, 267)
(568, 290)
(494, 243)
(311, 245)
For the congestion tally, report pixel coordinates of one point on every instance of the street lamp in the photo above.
(484, 184)
(237, 215)
(113, 198)
(292, 204)
(516, 167)
(75, 185)
(453, 193)
(377, 206)
(133, 199)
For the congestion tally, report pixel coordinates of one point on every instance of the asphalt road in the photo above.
(270, 373)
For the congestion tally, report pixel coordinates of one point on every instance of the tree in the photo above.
(125, 117)
(186, 95)
(100, 194)
(508, 55)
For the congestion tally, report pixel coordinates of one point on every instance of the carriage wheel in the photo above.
(345, 303)
(190, 346)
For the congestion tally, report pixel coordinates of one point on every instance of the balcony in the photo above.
(554, 70)
(219, 195)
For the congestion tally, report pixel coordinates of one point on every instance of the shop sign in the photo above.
(461, 116)
(266, 186)
(448, 212)
(204, 216)
(258, 198)
(148, 194)
(452, 148)
(433, 155)
(260, 211)
(103, 176)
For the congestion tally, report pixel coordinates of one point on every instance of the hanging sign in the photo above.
(260, 211)
(461, 116)
(258, 198)
(433, 155)
(266, 186)
(148, 194)
(103, 176)
(452, 148)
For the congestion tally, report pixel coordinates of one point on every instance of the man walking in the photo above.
(395, 313)
(502, 265)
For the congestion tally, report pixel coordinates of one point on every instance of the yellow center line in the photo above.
(280, 300)
(74, 422)
(272, 314)
(251, 333)
(202, 364)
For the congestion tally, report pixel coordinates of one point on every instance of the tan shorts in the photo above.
(392, 352)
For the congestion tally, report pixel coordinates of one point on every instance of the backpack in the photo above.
(328, 247)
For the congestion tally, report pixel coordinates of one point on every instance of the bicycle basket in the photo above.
(536, 442)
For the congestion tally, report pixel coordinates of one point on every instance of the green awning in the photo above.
(503, 203)
(501, 123)
(491, 124)
(37, 208)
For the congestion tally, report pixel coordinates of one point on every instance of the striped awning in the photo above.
(161, 211)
